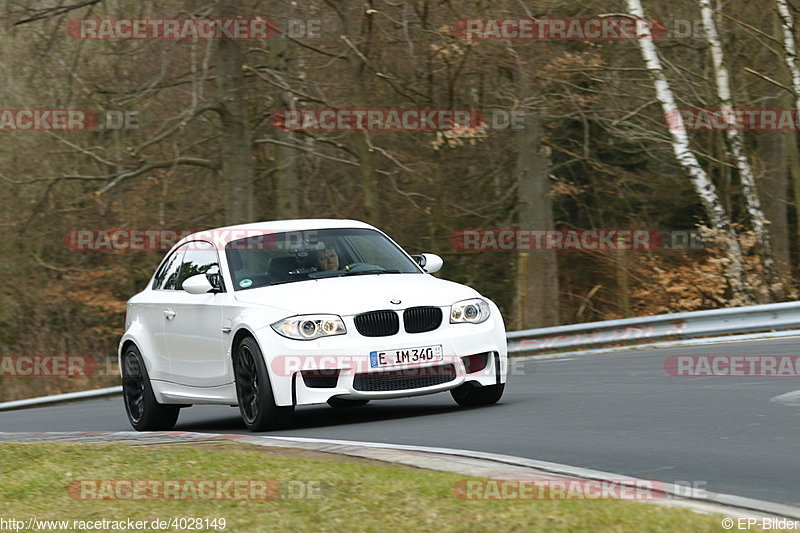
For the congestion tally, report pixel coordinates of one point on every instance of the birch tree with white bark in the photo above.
(789, 46)
(735, 149)
(787, 30)
(702, 184)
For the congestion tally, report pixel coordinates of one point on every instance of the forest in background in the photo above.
(594, 151)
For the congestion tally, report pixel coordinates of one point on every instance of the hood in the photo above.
(357, 294)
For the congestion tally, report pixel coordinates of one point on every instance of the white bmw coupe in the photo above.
(271, 315)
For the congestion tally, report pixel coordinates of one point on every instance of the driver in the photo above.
(327, 259)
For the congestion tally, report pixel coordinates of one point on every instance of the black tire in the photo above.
(344, 402)
(469, 395)
(144, 412)
(254, 391)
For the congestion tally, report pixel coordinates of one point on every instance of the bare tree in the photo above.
(703, 186)
(736, 151)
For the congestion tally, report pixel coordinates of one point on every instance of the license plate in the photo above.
(401, 356)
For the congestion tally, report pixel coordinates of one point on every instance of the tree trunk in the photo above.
(623, 283)
(537, 295)
(789, 46)
(790, 56)
(237, 145)
(774, 189)
(368, 179)
(286, 177)
(366, 154)
(793, 161)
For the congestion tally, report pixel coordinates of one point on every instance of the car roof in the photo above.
(223, 235)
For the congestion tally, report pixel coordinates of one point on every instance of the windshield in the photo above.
(277, 258)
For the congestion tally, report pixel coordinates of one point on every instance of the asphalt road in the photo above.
(616, 412)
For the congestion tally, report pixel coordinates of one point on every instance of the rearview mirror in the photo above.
(198, 284)
(430, 263)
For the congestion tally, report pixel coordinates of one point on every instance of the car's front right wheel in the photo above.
(254, 391)
(468, 395)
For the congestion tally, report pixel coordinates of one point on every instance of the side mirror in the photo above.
(430, 263)
(198, 284)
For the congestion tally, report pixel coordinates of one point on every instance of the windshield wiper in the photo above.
(319, 274)
(341, 273)
(372, 271)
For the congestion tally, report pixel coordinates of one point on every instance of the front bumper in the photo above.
(288, 361)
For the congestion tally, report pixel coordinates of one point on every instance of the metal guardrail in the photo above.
(676, 326)
(60, 398)
(641, 330)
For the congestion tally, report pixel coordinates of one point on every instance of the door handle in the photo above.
(169, 314)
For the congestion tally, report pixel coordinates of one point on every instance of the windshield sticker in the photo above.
(245, 283)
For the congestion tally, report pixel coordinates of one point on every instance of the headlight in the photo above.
(310, 327)
(472, 311)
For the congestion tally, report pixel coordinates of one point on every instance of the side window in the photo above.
(199, 258)
(168, 273)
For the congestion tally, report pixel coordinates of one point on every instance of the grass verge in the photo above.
(318, 492)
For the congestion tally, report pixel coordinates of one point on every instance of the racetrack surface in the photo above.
(616, 412)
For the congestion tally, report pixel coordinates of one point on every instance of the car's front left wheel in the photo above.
(144, 411)
(254, 391)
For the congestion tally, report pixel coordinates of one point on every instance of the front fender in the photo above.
(256, 323)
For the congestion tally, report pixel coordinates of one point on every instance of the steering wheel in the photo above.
(354, 267)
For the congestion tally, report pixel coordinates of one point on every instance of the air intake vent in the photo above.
(422, 319)
(378, 323)
(407, 378)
